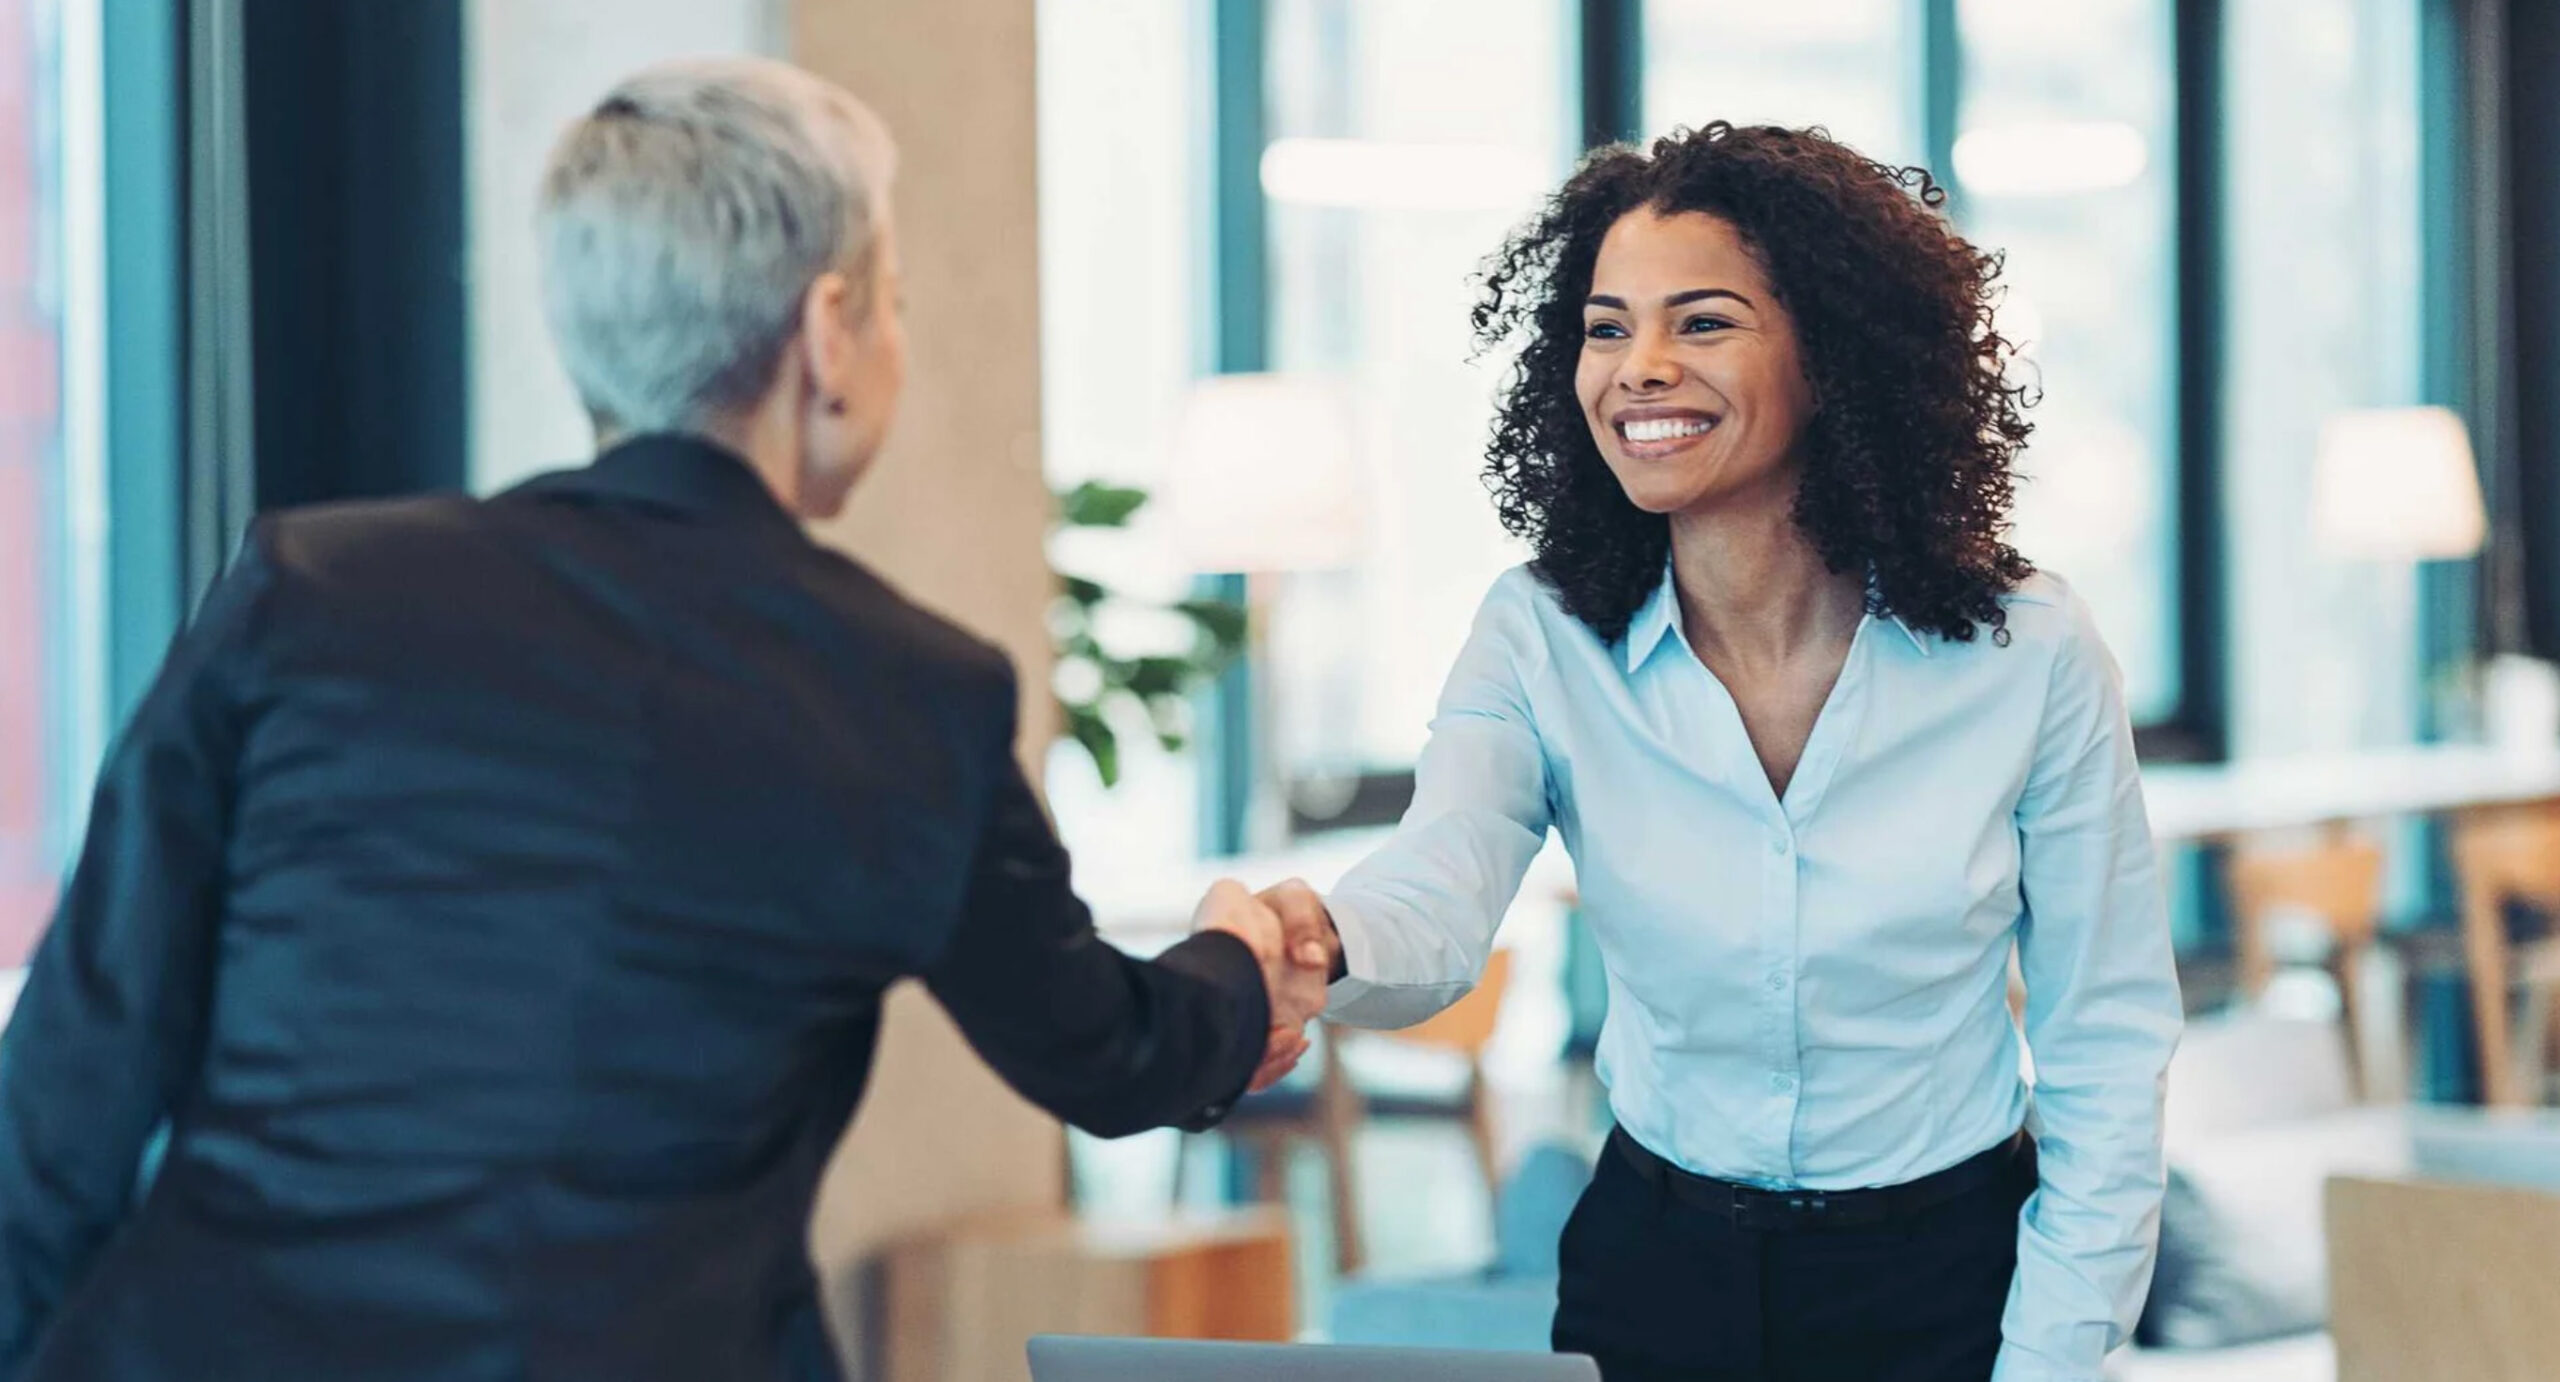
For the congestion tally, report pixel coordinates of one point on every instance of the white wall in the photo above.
(533, 66)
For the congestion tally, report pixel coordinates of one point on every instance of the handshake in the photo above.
(1292, 934)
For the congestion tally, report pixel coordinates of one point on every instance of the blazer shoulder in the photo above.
(880, 610)
(324, 541)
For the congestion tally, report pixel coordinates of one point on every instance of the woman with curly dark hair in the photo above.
(1825, 750)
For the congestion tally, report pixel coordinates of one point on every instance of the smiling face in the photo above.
(1690, 375)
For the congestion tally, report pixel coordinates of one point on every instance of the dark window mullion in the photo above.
(2197, 329)
(1941, 91)
(1612, 34)
(1240, 253)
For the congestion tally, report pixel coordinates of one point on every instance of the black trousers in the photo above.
(1658, 1288)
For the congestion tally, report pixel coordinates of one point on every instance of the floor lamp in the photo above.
(1265, 481)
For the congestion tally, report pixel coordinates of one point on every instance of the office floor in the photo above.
(1424, 1209)
(1423, 1205)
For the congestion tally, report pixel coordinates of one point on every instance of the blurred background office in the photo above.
(1195, 433)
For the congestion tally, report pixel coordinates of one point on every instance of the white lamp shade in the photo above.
(2397, 484)
(1265, 476)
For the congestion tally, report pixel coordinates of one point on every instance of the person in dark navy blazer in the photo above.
(492, 903)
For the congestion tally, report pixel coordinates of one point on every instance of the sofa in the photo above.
(2261, 1115)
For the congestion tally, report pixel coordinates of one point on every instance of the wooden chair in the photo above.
(2510, 855)
(1331, 1110)
(2337, 877)
(1466, 1029)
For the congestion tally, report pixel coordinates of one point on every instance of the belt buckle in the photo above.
(1808, 1208)
(1782, 1210)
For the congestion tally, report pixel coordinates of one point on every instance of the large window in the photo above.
(1391, 176)
(2064, 162)
(51, 491)
(2062, 144)
(2189, 324)
(1850, 66)
(2321, 181)
(1125, 315)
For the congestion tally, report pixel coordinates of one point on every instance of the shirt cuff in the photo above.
(2017, 1365)
(1226, 964)
(1359, 960)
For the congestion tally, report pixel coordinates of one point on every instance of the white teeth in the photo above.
(1665, 428)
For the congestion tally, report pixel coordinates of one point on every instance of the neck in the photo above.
(1752, 588)
(766, 441)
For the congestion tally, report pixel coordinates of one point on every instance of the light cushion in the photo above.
(2295, 1358)
(2242, 1254)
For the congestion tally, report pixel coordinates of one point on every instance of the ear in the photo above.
(826, 337)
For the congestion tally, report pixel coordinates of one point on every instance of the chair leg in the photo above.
(2346, 971)
(1480, 1131)
(2533, 1045)
(1271, 1171)
(1339, 1117)
(2550, 998)
(2485, 952)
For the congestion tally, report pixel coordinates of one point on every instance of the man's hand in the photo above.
(1293, 971)
(1307, 925)
(1315, 953)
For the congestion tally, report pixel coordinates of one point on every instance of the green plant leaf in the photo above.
(1221, 621)
(1083, 591)
(1151, 677)
(1170, 716)
(1094, 504)
(1089, 729)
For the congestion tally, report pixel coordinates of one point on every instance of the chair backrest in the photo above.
(2337, 877)
(1467, 1025)
(2512, 853)
(2503, 855)
(2248, 1068)
(2440, 1280)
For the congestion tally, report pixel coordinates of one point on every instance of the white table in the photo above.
(2188, 803)
(2218, 801)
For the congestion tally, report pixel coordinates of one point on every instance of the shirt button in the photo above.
(1777, 983)
(1782, 1084)
(1778, 846)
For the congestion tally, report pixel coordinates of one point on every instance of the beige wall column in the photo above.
(956, 513)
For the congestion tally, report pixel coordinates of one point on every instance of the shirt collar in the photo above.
(1918, 641)
(1652, 623)
(1660, 613)
(681, 472)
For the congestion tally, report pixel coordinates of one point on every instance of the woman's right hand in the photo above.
(1307, 926)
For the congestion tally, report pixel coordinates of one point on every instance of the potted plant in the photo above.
(1097, 679)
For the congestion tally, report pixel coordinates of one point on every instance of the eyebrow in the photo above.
(1681, 299)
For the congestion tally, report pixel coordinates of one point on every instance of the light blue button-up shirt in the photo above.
(1811, 990)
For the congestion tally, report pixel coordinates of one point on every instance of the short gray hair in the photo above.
(682, 222)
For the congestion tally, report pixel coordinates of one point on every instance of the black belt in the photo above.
(1798, 1211)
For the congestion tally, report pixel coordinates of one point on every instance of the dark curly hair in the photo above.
(1907, 457)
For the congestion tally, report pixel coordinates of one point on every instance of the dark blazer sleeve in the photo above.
(110, 1026)
(1111, 1044)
